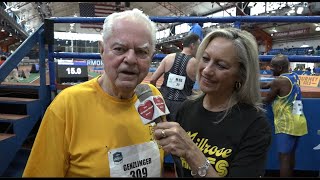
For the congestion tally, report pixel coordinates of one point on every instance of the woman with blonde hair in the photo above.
(222, 131)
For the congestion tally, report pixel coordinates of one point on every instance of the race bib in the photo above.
(176, 81)
(297, 107)
(138, 161)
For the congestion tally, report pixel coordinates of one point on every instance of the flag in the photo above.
(100, 9)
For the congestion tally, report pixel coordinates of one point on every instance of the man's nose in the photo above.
(131, 56)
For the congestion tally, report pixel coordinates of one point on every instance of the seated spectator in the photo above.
(34, 68)
(308, 69)
(14, 74)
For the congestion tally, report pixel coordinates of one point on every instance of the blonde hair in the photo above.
(135, 15)
(249, 73)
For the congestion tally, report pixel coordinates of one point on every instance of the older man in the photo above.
(93, 129)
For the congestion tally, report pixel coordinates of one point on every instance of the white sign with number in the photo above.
(176, 81)
(297, 107)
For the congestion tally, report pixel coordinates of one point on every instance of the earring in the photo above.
(238, 85)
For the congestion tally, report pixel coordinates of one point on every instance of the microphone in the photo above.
(144, 92)
(150, 108)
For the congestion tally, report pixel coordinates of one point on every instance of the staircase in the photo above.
(23, 105)
(20, 110)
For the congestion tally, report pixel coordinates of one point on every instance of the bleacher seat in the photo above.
(266, 72)
(293, 51)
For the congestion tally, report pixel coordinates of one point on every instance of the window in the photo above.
(182, 28)
(163, 34)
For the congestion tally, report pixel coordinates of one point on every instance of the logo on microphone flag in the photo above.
(151, 108)
(146, 110)
(160, 103)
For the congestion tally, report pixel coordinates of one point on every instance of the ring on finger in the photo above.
(163, 134)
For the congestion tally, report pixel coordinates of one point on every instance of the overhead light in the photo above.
(10, 34)
(291, 11)
(274, 30)
(14, 9)
(2, 30)
(300, 10)
(252, 4)
(317, 28)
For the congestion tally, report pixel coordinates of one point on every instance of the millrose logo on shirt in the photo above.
(117, 158)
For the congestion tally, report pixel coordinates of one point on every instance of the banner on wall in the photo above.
(310, 81)
(292, 33)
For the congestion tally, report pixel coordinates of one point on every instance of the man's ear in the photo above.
(100, 47)
(280, 68)
(192, 45)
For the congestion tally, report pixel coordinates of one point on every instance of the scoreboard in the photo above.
(68, 71)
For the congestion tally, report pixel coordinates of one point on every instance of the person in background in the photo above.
(289, 120)
(14, 74)
(268, 67)
(93, 129)
(2, 59)
(223, 131)
(195, 27)
(179, 71)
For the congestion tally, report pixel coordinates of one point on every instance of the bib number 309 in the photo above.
(139, 173)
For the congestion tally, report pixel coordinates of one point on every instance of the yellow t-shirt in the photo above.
(79, 128)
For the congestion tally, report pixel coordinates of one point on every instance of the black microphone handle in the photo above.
(177, 161)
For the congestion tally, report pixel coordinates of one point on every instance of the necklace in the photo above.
(224, 114)
(218, 108)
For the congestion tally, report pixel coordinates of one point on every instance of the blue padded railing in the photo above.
(237, 20)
